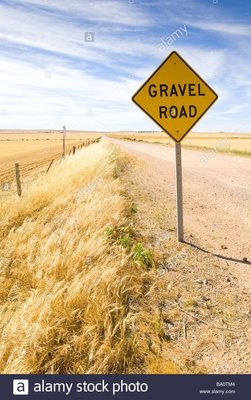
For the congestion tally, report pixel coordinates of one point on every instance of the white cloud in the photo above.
(101, 11)
(42, 32)
(230, 28)
(49, 75)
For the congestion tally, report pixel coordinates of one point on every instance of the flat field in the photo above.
(35, 149)
(232, 142)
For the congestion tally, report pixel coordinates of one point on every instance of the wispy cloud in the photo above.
(51, 76)
(231, 28)
(112, 12)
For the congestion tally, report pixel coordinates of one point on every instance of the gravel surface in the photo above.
(204, 283)
(216, 195)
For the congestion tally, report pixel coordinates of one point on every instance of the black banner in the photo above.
(123, 387)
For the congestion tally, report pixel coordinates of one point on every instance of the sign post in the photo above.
(175, 97)
(179, 194)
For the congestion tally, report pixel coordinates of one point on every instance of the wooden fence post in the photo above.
(73, 150)
(49, 166)
(19, 190)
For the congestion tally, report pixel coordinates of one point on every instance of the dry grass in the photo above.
(73, 297)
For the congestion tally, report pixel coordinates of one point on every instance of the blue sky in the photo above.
(51, 74)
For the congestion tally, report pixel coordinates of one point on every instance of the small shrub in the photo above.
(142, 255)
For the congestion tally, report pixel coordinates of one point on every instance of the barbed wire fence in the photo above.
(15, 178)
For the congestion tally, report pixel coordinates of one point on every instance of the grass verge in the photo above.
(76, 287)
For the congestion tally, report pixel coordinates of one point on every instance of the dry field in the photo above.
(222, 142)
(34, 150)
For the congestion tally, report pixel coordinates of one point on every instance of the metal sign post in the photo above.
(179, 194)
(175, 97)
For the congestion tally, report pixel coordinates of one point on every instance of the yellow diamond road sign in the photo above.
(175, 96)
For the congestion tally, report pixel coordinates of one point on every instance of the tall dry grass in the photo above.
(71, 299)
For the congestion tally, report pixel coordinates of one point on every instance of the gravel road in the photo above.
(217, 199)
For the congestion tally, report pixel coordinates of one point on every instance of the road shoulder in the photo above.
(204, 307)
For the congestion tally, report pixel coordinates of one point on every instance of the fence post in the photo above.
(73, 150)
(19, 190)
(49, 166)
(64, 136)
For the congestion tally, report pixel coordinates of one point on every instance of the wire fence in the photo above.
(11, 179)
